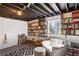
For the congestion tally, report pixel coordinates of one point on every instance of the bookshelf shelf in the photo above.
(37, 28)
(70, 24)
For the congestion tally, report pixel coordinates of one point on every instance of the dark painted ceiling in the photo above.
(32, 11)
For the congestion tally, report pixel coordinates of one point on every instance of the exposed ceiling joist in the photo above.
(37, 12)
(51, 8)
(8, 9)
(76, 6)
(66, 5)
(15, 6)
(6, 13)
(34, 10)
(28, 4)
(31, 15)
(42, 4)
(23, 11)
(34, 13)
(58, 7)
(24, 7)
(41, 10)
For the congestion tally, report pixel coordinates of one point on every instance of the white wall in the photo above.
(69, 37)
(11, 28)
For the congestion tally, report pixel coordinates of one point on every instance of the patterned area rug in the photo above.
(18, 50)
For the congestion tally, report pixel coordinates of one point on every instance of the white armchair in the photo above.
(47, 44)
(54, 47)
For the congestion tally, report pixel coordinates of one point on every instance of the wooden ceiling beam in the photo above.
(47, 8)
(76, 6)
(66, 5)
(45, 13)
(58, 7)
(33, 10)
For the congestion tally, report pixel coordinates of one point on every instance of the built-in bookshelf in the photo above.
(37, 27)
(75, 20)
(70, 23)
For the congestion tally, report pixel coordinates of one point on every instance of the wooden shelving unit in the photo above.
(66, 23)
(70, 23)
(37, 27)
(75, 20)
